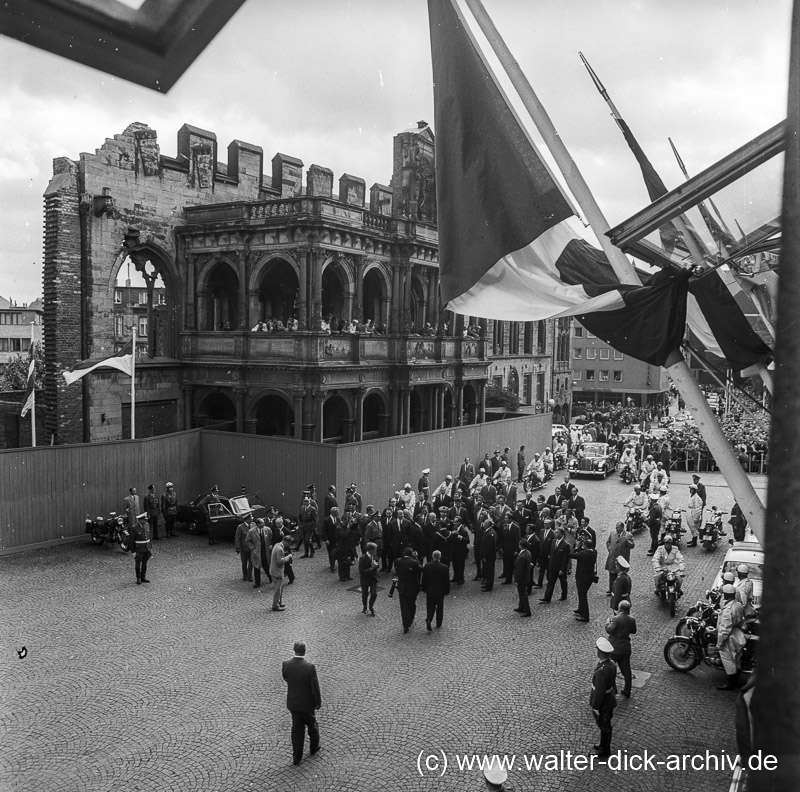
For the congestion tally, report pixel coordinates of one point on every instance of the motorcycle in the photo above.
(560, 461)
(674, 527)
(712, 531)
(635, 521)
(668, 590)
(683, 653)
(707, 613)
(627, 474)
(111, 529)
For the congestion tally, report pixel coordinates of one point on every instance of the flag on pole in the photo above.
(508, 246)
(122, 361)
(713, 313)
(30, 393)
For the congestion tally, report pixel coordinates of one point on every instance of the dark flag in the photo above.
(30, 394)
(507, 249)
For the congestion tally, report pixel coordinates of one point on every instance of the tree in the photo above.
(502, 397)
(15, 376)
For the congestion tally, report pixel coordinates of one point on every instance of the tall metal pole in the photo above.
(33, 403)
(676, 366)
(133, 385)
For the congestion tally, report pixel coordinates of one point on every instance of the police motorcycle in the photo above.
(674, 527)
(628, 474)
(704, 611)
(533, 480)
(111, 529)
(712, 531)
(635, 520)
(667, 589)
(685, 652)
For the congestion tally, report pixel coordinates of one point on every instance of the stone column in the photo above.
(298, 413)
(358, 296)
(241, 271)
(482, 405)
(188, 393)
(359, 428)
(302, 300)
(433, 288)
(348, 305)
(440, 422)
(406, 397)
(240, 394)
(394, 410)
(384, 318)
(319, 399)
(396, 300)
(317, 257)
(405, 322)
(255, 309)
(459, 405)
(190, 298)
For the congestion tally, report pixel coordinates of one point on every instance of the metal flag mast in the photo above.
(676, 366)
(133, 385)
(32, 365)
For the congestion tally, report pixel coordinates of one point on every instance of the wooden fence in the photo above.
(46, 493)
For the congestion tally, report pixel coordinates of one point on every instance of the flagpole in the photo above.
(676, 365)
(133, 385)
(33, 403)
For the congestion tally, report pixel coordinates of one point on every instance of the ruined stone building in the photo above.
(220, 247)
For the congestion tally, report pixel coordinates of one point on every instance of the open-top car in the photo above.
(219, 518)
(748, 552)
(594, 459)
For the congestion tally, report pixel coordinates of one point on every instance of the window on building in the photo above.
(119, 325)
(577, 375)
(498, 339)
(590, 375)
(591, 354)
(590, 335)
(117, 297)
(603, 376)
(604, 354)
(143, 327)
(143, 298)
(513, 338)
(497, 382)
(540, 387)
(618, 355)
(527, 388)
(14, 344)
(527, 342)
(10, 318)
(578, 331)
(577, 353)
(617, 375)
(162, 298)
(541, 335)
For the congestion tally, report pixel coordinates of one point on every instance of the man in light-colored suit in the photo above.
(131, 506)
(280, 556)
(303, 698)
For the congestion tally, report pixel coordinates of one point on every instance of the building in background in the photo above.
(200, 255)
(601, 374)
(15, 328)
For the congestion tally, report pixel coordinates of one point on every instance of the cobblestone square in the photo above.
(177, 685)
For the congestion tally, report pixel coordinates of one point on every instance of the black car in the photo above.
(220, 518)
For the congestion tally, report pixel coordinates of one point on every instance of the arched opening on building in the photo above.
(336, 422)
(417, 307)
(217, 410)
(449, 411)
(222, 298)
(417, 420)
(278, 292)
(374, 296)
(334, 286)
(513, 381)
(374, 416)
(145, 298)
(274, 417)
(557, 414)
(471, 404)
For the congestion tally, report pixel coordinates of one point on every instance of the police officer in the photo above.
(603, 698)
(151, 507)
(142, 548)
(730, 636)
(169, 508)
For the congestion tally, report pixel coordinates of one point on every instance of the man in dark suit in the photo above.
(302, 699)
(585, 565)
(459, 550)
(557, 567)
(435, 583)
(330, 500)
(522, 577)
(511, 536)
(488, 553)
(330, 526)
(577, 504)
(620, 627)
(548, 538)
(408, 571)
(368, 578)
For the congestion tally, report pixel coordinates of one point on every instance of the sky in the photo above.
(332, 81)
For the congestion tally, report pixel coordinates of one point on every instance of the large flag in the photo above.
(122, 361)
(713, 313)
(30, 393)
(507, 245)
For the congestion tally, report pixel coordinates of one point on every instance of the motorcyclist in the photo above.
(658, 479)
(503, 475)
(637, 499)
(648, 466)
(663, 502)
(668, 558)
(628, 459)
(548, 460)
(561, 452)
(535, 469)
(744, 590)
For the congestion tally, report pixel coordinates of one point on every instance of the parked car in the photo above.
(748, 552)
(598, 459)
(219, 518)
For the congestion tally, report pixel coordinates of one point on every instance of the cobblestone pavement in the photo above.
(177, 685)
